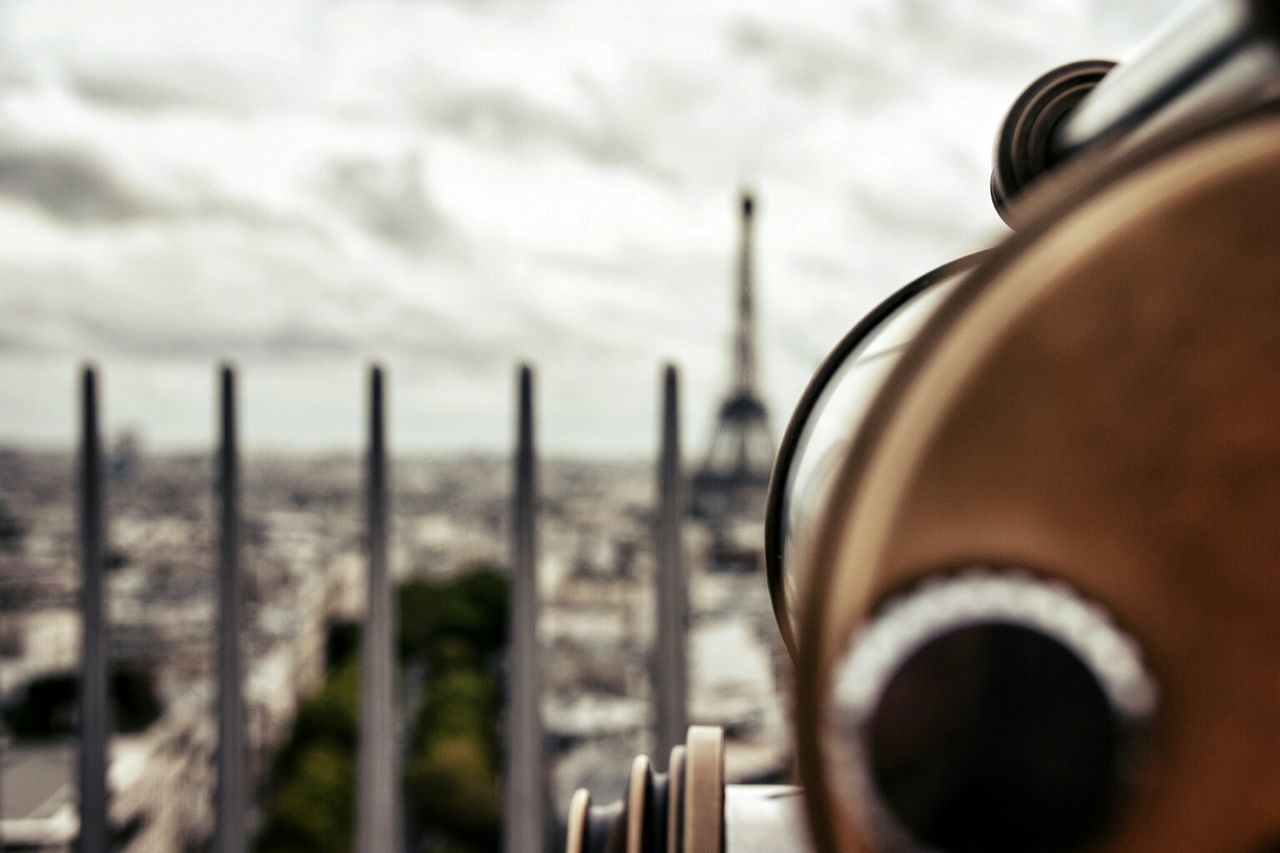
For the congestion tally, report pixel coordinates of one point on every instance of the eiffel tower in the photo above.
(734, 478)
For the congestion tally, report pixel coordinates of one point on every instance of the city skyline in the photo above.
(451, 189)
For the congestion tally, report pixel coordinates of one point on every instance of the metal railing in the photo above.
(378, 820)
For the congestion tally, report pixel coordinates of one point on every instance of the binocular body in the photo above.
(1022, 529)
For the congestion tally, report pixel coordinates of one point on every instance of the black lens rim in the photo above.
(793, 435)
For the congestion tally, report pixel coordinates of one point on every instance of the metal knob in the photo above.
(689, 809)
(1026, 146)
(680, 810)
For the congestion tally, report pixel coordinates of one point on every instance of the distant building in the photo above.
(734, 478)
(126, 456)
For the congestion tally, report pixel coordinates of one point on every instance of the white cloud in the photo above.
(454, 187)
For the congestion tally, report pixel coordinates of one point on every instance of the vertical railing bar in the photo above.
(377, 816)
(525, 800)
(230, 813)
(93, 661)
(670, 657)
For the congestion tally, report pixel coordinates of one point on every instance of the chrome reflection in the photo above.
(827, 418)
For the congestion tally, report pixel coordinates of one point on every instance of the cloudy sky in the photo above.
(452, 187)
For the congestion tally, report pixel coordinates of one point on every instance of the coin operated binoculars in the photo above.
(1023, 528)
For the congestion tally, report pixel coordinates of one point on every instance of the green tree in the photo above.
(453, 631)
(452, 794)
(312, 811)
(313, 781)
(451, 775)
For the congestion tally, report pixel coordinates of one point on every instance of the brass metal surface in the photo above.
(1100, 403)
(675, 794)
(638, 795)
(704, 790)
(576, 826)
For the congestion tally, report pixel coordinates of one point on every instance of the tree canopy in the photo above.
(451, 632)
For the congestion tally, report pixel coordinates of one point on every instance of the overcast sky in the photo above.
(453, 187)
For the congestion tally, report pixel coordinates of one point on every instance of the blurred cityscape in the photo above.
(456, 186)
(304, 560)
(308, 563)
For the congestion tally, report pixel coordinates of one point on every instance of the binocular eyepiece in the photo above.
(1021, 528)
(989, 711)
